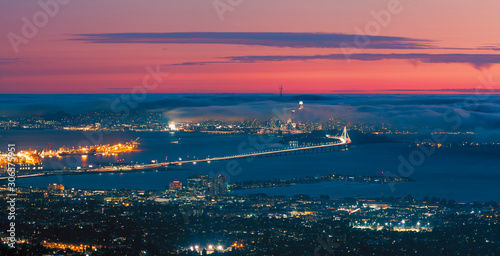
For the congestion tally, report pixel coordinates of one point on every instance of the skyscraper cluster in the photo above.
(211, 186)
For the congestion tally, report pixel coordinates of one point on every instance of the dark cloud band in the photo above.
(273, 39)
(479, 61)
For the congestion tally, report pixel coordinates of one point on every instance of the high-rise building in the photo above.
(197, 181)
(212, 186)
(175, 185)
(278, 124)
(222, 185)
(217, 185)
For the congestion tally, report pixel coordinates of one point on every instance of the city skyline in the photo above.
(249, 127)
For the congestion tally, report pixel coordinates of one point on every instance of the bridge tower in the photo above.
(345, 135)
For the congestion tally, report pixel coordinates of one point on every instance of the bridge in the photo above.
(342, 140)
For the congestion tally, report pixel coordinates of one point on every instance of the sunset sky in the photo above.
(249, 46)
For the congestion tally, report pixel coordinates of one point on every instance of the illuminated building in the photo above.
(175, 185)
(55, 187)
(197, 182)
(28, 167)
(217, 185)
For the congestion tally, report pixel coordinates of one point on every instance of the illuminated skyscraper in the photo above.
(217, 185)
(197, 182)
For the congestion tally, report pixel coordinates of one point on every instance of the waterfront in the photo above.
(462, 174)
